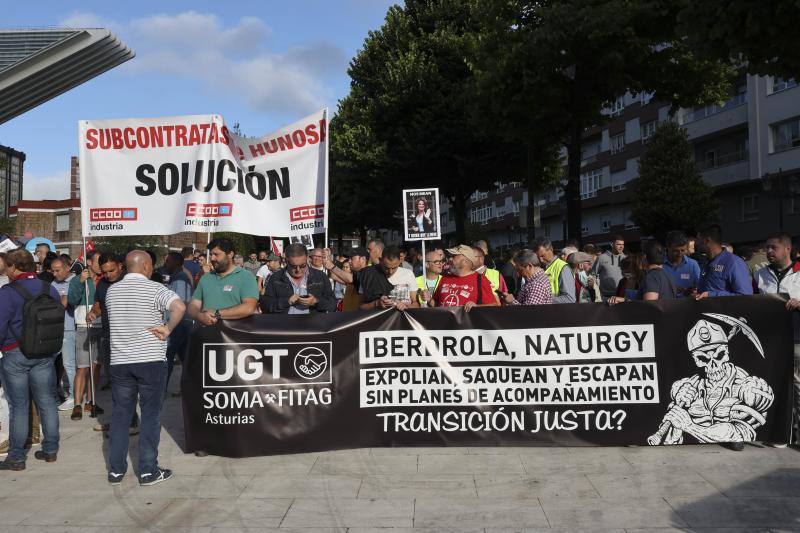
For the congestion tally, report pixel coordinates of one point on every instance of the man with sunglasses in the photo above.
(427, 285)
(298, 289)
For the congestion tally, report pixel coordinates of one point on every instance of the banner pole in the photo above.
(93, 413)
(424, 270)
(208, 252)
(327, 152)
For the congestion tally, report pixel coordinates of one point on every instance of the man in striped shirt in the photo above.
(136, 308)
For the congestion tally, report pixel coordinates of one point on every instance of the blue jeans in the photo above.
(68, 358)
(20, 377)
(148, 380)
(177, 344)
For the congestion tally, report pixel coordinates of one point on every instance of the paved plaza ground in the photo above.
(691, 488)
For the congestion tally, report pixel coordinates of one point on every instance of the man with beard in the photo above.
(227, 292)
(387, 284)
(462, 286)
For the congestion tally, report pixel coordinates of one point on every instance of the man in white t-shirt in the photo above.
(387, 284)
(272, 265)
(136, 307)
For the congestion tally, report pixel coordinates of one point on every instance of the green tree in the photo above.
(242, 243)
(756, 32)
(556, 63)
(670, 193)
(359, 196)
(413, 83)
(123, 245)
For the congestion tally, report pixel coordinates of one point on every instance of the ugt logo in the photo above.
(230, 365)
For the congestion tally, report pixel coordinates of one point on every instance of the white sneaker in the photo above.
(776, 444)
(67, 405)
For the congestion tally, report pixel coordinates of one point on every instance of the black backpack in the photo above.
(42, 323)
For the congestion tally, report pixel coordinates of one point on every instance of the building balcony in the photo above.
(715, 118)
(724, 174)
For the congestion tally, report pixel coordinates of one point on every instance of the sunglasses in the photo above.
(296, 267)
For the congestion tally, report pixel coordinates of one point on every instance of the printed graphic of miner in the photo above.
(722, 403)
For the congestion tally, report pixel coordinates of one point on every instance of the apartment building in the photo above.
(746, 148)
(11, 167)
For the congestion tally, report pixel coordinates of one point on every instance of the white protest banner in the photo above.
(159, 176)
(7, 245)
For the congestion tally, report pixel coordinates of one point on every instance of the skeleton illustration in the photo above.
(722, 403)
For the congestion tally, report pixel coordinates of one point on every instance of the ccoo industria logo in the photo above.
(113, 214)
(209, 210)
(231, 365)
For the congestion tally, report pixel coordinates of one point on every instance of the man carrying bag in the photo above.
(32, 331)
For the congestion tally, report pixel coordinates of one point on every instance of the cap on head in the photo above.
(466, 251)
(705, 333)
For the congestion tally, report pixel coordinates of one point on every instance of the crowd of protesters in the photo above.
(126, 321)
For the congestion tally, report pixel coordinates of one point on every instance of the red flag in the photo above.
(89, 248)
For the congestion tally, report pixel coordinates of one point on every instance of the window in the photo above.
(618, 143)
(749, 207)
(481, 215)
(794, 206)
(779, 84)
(590, 183)
(618, 106)
(585, 230)
(786, 135)
(646, 97)
(605, 222)
(710, 159)
(648, 129)
(615, 187)
(516, 208)
(62, 222)
(547, 230)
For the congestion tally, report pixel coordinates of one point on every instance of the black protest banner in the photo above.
(673, 372)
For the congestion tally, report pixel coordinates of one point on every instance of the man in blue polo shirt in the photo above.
(684, 271)
(725, 274)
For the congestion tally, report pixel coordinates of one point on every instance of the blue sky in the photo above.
(260, 63)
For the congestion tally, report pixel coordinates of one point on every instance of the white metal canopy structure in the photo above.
(39, 64)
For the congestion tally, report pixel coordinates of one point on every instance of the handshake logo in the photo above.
(231, 365)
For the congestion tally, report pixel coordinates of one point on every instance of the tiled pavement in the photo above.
(405, 490)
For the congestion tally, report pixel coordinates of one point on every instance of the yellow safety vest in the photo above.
(494, 278)
(553, 272)
(423, 287)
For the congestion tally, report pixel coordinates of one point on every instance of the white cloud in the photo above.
(54, 187)
(231, 60)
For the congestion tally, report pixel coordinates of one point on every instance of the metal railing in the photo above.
(723, 160)
(713, 109)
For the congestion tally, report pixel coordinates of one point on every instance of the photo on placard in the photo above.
(421, 210)
(305, 240)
